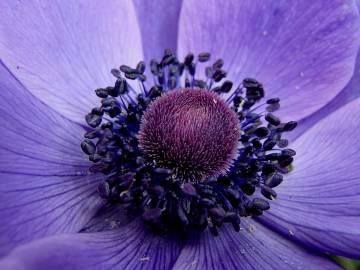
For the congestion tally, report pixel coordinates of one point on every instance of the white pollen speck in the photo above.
(265, 33)
(144, 259)
(291, 233)
(251, 228)
(215, 101)
(114, 224)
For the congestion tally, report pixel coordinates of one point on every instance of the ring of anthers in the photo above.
(187, 153)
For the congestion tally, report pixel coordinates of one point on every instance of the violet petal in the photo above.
(302, 53)
(63, 50)
(319, 202)
(350, 92)
(158, 21)
(130, 247)
(254, 247)
(44, 186)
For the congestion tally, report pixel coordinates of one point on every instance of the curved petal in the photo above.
(302, 52)
(63, 50)
(131, 247)
(159, 22)
(349, 93)
(319, 204)
(254, 247)
(44, 186)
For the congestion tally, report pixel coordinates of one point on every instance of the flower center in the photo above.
(188, 152)
(191, 131)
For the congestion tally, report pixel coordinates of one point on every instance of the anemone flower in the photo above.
(188, 151)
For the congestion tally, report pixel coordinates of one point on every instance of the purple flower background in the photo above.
(55, 53)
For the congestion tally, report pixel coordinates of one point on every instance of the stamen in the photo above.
(180, 155)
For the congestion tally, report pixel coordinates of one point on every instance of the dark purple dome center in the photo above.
(191, 131)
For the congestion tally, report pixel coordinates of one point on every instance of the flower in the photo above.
(54, 54)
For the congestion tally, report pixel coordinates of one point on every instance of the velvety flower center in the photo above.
(191, 131)
(187, 152)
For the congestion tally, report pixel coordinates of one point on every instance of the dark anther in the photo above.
(248, 104)
(283, 143)
(218, 64)
(101, 93)
(289, 126)
(192, 69)
(218, 75)
(272, 119)
(131, 76)
(244, 138)
(238, 100)
(189, 189)
(154, 92)
(88, 147)
(200, 84)
(204, 56)
(289, 152)
(114, 111)
(104, 190)
(273, 101)
(95, 158)
(274, 181)
(256, 143)
(119, 88)
(269, 144)
(273, 107)
(285, 160)
(127, 69)
(268, 168)
(268, 192)
(108, 101)
(116, 73)
(261, 132)
(154, 67)
(188, 59)
(273, 156)
(93, 120)
(168, 59)
(248, 189)
(260, 204)
(251, 83)
(92, 134)
(226, 87)
(141, 67)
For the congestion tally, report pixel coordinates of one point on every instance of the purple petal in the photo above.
(302, 53)
(131, 247)
(254, 247)
(350, 92)
(319, 203)
(63, 50)
(44, 186)
(158, 21)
